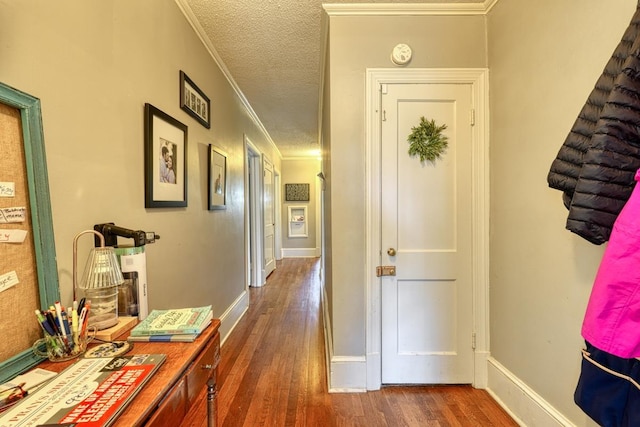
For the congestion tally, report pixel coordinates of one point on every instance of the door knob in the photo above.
(391, 252)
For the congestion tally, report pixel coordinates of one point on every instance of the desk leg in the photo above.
(211, 403)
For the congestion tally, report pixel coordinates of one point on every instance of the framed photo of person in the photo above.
(165, 160)
(217, 179)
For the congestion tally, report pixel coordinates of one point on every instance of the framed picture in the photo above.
(165, 160)
(194, 101)
(217, 179)
(296, 192)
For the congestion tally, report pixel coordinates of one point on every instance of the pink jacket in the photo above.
(612, 319)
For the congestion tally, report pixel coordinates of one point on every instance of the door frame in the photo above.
(267, 160)
(478, 78)
(253, 218)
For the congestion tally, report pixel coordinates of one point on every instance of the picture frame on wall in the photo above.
(217, 178)
(296, 192)
(194, 101)
(165, 159)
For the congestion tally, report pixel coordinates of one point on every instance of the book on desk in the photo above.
(172, 325)
(89, 393)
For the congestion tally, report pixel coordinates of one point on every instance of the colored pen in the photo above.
(58, 326)
(58, 309)
(74, 328)
(54, 325)
(44, 323)
(65, 324)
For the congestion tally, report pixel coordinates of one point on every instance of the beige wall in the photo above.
(94, 65)
(301, 171)
(358, 43)
(544, 59)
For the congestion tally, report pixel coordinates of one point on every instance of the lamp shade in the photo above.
(101, 270)
(99, 283)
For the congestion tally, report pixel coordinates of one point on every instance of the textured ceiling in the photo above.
(272, 49)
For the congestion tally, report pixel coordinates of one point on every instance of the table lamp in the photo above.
(99, 283)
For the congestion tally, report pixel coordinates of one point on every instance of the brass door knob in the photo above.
(391, 252)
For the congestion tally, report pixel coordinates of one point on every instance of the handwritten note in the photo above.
(7, 189)
(12, 236)
(12, 214)
(8, 280)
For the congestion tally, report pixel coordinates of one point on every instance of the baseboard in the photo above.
(300, 253)
(328, 342)
(348, 374)
(345, 374)
(480, 366)
(232, 315)
(523, 404)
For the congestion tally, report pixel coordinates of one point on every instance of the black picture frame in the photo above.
(165, 140)
(296, 192)
(194, 101)
(217, 178)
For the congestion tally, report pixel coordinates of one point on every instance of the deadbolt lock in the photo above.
(386, 270)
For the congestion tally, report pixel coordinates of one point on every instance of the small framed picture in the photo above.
(296, 192)
(194, 101)
(217, 179)
(165, 160)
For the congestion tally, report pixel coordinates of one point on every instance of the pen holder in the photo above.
(60, 348)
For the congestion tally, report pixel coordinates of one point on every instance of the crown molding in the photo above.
(411, 9)
(202, 35)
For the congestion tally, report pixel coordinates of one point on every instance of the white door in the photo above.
(269, 217)
(426, 218)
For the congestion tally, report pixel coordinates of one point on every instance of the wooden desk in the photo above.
(170, 393)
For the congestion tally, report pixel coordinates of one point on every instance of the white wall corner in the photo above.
(232, 315)
(523, 404)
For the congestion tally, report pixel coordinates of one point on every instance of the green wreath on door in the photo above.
(427, 141)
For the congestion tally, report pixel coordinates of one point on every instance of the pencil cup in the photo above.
(60, 348)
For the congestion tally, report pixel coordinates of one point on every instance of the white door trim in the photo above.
(253, 215)
(478, 78)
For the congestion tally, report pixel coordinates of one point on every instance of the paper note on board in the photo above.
(12, 236)
(17, 214)
(8, 280)
(7, 189)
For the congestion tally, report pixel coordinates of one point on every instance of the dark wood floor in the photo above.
(273, 371)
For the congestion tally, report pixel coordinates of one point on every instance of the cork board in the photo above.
(17, 260)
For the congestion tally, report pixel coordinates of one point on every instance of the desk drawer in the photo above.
(172, 409)
(202, 369)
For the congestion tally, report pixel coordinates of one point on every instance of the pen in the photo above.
(58, 308)
(65, 324)
(52, 324)
(74, 328)
(63, 330)
(49, 334)
(44, 323)
(85, 318)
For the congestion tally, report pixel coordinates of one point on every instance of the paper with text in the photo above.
(7, 189)
(16, 214)
(8, 280)
(12, 236)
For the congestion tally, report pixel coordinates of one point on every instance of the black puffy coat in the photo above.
(595, 166)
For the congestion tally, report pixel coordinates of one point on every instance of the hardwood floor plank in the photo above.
(273, 371)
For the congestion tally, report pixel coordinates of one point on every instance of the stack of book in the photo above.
(177, 324)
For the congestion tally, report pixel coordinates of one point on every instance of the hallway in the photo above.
(273, 370)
